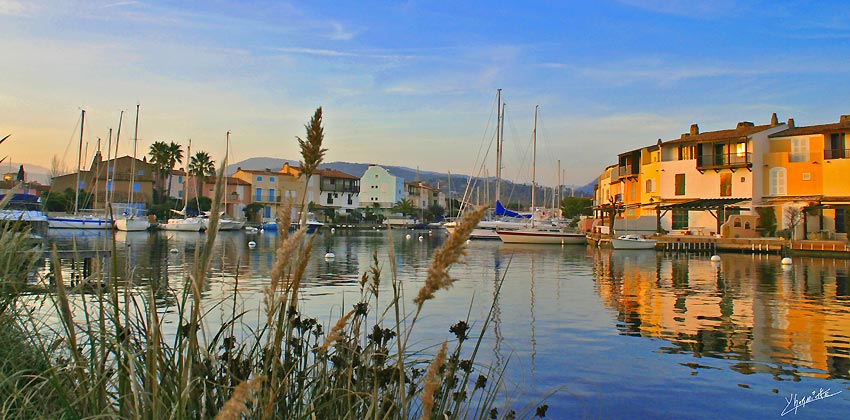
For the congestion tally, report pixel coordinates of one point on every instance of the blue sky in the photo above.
(413, 83)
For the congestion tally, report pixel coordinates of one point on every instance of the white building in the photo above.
(380, 189)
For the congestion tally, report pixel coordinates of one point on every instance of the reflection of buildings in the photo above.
(743, 309)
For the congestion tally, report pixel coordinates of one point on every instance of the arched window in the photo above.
(778, 181)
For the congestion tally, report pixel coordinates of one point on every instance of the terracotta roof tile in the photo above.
(732, 134)
(814, 129)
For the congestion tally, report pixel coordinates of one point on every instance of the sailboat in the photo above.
(501, 219)
(225, 221)
(185, 224)
(129, 222)
(78, 220)
(547, 233)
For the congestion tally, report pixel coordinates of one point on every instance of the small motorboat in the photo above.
(633, 242)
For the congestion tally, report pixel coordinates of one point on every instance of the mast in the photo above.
(79, 162)
(133, 164)
(534, 165)
(114, 162)
(499, 125)
(226, 151)
(186, 169)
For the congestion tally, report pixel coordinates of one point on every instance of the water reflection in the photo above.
(787, 322)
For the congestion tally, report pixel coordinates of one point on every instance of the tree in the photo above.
(404, 206)
(201, 166)
(576, 206)
(436, 211)
(793, 217)
(767, 220)
(312, 154)
(175, 156)
(159, 159)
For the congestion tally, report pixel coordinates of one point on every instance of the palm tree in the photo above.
(404, 206)
(201, 166)
(159, 158)
(175, 156)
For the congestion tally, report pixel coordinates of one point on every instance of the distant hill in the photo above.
(517, 193)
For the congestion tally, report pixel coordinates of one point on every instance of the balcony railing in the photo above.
(340, 188)
(724, 161)
(626, 171)
(836, 154)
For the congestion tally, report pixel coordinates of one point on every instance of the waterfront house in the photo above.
(237, 195)
(607, 199)
(263, 191)
(424, 196)
(705, 177)
(807, 170)
(638, 173)
(338, 191)
(94, 181)
(380, 189)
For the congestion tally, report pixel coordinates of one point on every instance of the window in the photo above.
(137, 188)
(268, 211)
(141, 172)
(799, 150)
(180, 194)
(109, 186)
(259, 195)
(271, 179)
(680, 184)
(271, 194)
(836, 147)
(330, 199)
(807, 176)
(726, 185)
(649, 186)
(686, 153)
(633, 191)
(81, 185)
(680, 219)
(778, 181)
(741, 149)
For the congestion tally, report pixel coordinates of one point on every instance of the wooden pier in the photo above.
(713, 244)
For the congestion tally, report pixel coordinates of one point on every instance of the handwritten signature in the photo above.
(793, 403)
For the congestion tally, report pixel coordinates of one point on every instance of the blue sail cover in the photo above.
(502, 211)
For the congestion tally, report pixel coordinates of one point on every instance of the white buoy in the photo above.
(329, 255)
(173, 250)
(430, 233)
(421, 237)
(333, 230)
(407, 236)
(715, 258)
(786, 261)
(252, 244)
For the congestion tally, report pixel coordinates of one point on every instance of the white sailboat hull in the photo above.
(132, 224)
(628, 242)
(79, 222)
(191, 224)
(486, 229)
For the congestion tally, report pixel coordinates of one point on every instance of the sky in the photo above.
(414, 83)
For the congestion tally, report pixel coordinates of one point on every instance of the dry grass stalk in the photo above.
(283, 257)
(336, 331)
(451, 252)
(433, 380)
(236, 406)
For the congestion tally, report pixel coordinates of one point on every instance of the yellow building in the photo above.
(806, 173)
(638, 173)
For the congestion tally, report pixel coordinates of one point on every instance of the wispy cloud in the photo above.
(121, 4)
(340, 33)
(315, 51)
(18, 8)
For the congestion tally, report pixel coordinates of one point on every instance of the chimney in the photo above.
(694, 129)
(773, 120)
(844, 119)
(685, 135)
(790, 123)
(744, 124)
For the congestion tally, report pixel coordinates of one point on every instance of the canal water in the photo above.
(598, 334)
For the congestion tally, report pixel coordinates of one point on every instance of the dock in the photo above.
(713, 244)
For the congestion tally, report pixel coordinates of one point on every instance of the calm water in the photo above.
(609, 334)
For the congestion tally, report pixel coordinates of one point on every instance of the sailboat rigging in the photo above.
(77, 220)
(129, 222)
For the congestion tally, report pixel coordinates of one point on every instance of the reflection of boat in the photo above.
(633, 242)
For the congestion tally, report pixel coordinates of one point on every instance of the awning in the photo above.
(704, 204)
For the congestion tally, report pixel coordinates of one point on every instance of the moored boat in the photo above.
(633, 242)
